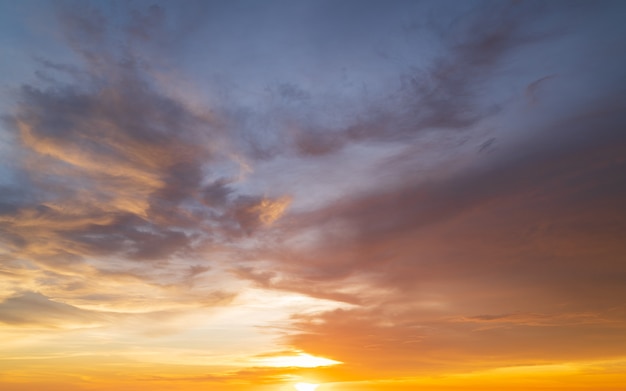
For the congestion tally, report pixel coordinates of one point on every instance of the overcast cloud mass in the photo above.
(230, 194)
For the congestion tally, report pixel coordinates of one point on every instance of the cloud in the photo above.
(118, 166)
(253, 212)
(532, 89)
(513, 257)
(33, 309)
(451, 93)
(383, 341)
(120, 186)
(448, 225)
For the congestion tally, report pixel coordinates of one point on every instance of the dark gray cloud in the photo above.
(118, 166)
(526, 241)
(509, 200)
(451, 93)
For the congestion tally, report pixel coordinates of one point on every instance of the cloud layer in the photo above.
(411, 190)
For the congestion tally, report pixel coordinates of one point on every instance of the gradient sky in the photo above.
(365, 195)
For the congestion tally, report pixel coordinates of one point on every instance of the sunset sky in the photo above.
(274, 195)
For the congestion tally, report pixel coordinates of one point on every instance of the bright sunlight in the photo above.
(302, 360)
(305, 386)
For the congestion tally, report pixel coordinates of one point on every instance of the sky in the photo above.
(299, 194)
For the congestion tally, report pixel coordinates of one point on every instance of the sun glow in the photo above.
(305, 386)
(301, 360)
